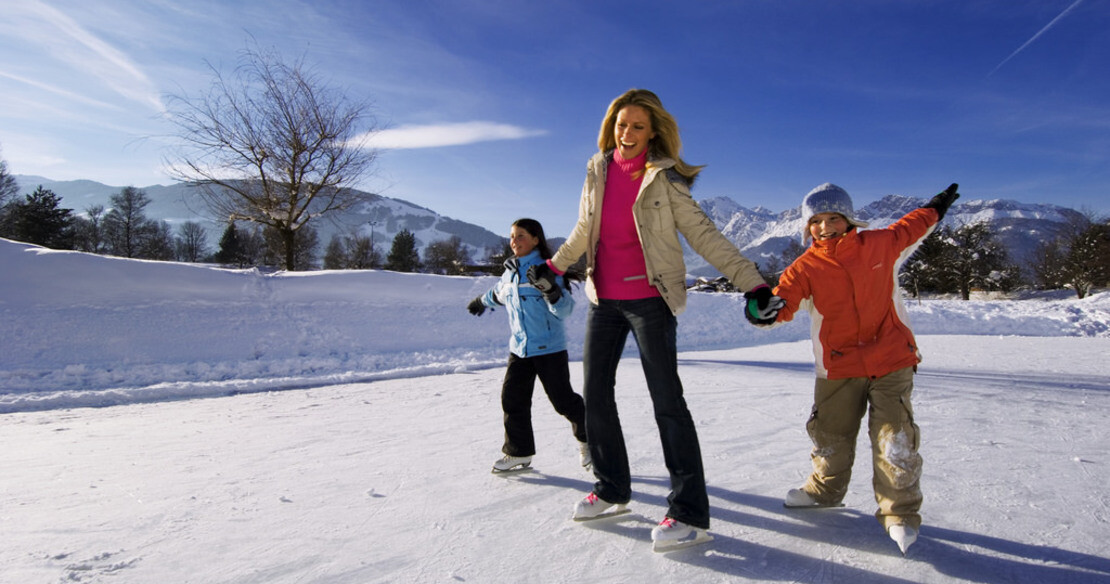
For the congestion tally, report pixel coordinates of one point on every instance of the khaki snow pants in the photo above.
(838, 408)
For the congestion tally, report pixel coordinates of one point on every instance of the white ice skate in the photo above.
(672, 535)
(509, 463)
(799, 499)
(584, 455)
(903, 535)
(592, 507)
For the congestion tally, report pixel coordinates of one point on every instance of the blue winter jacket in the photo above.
(536, 326)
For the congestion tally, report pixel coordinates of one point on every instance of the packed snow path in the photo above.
(389, 481)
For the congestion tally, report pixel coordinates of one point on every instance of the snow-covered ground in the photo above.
(373, 464)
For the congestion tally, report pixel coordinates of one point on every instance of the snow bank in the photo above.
(88, 330)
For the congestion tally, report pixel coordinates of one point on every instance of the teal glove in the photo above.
(763, 306)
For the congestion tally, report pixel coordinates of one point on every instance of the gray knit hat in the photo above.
(827, 198)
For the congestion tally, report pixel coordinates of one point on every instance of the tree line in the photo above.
(124, 230)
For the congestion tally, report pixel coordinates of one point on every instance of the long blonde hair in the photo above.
(666, 144)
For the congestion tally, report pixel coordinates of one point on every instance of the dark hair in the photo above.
(534, 229)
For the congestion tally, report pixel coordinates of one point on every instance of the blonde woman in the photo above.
(635, 202)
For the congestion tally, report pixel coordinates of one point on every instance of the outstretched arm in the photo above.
(943, 200)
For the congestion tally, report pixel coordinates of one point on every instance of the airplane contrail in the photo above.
(1036, 36)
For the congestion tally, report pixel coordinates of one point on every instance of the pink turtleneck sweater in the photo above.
(620, 272)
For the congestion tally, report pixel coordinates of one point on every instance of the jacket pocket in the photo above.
(655, 213)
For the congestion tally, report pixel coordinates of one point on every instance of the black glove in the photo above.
(542, 277)
(553, 296)
(476, 307)
(942, 201)
(763, 307)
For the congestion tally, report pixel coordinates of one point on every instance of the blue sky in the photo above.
(490, 108)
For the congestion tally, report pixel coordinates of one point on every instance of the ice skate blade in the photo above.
(515, 470)
(663, 546)
(903, 536)
(814, 506)
(620, 510)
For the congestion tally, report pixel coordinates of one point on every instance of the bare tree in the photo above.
(1085, 265)
(90, 230)
(191, 244)
(350, 252)
(9, 193)
(361, 254)
(125, 227)
(9, 188)
(449, 256)
(273, 145)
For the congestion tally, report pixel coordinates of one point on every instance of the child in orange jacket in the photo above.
(865, 353)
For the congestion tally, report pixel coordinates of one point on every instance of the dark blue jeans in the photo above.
(654, 327)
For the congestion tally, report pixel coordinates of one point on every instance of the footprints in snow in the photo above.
(91, 569)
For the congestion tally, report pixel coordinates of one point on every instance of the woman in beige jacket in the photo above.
(635, 202)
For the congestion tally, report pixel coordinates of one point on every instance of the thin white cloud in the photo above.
(434, 136)
(114, 68)
(57, 91)
(1036, 36)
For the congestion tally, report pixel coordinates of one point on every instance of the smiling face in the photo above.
(632, 131)
(824, 226)
(522, 242)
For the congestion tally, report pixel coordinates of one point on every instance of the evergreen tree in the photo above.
(979, 261)
(335, 256)
(231, 250)
(924, 270)
(964, 259)
(403, 256)
(960, 260)
(39, 219)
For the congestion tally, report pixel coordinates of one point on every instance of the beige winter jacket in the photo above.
(663, 209)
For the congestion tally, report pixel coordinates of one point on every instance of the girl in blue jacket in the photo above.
(537, 347)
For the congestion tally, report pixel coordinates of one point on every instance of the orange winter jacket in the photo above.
(849, 286)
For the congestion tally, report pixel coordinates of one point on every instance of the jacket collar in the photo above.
(514, 263)
(830, 246)
(653, 162)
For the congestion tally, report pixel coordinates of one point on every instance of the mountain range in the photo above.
(760, 233)
(379, 217)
